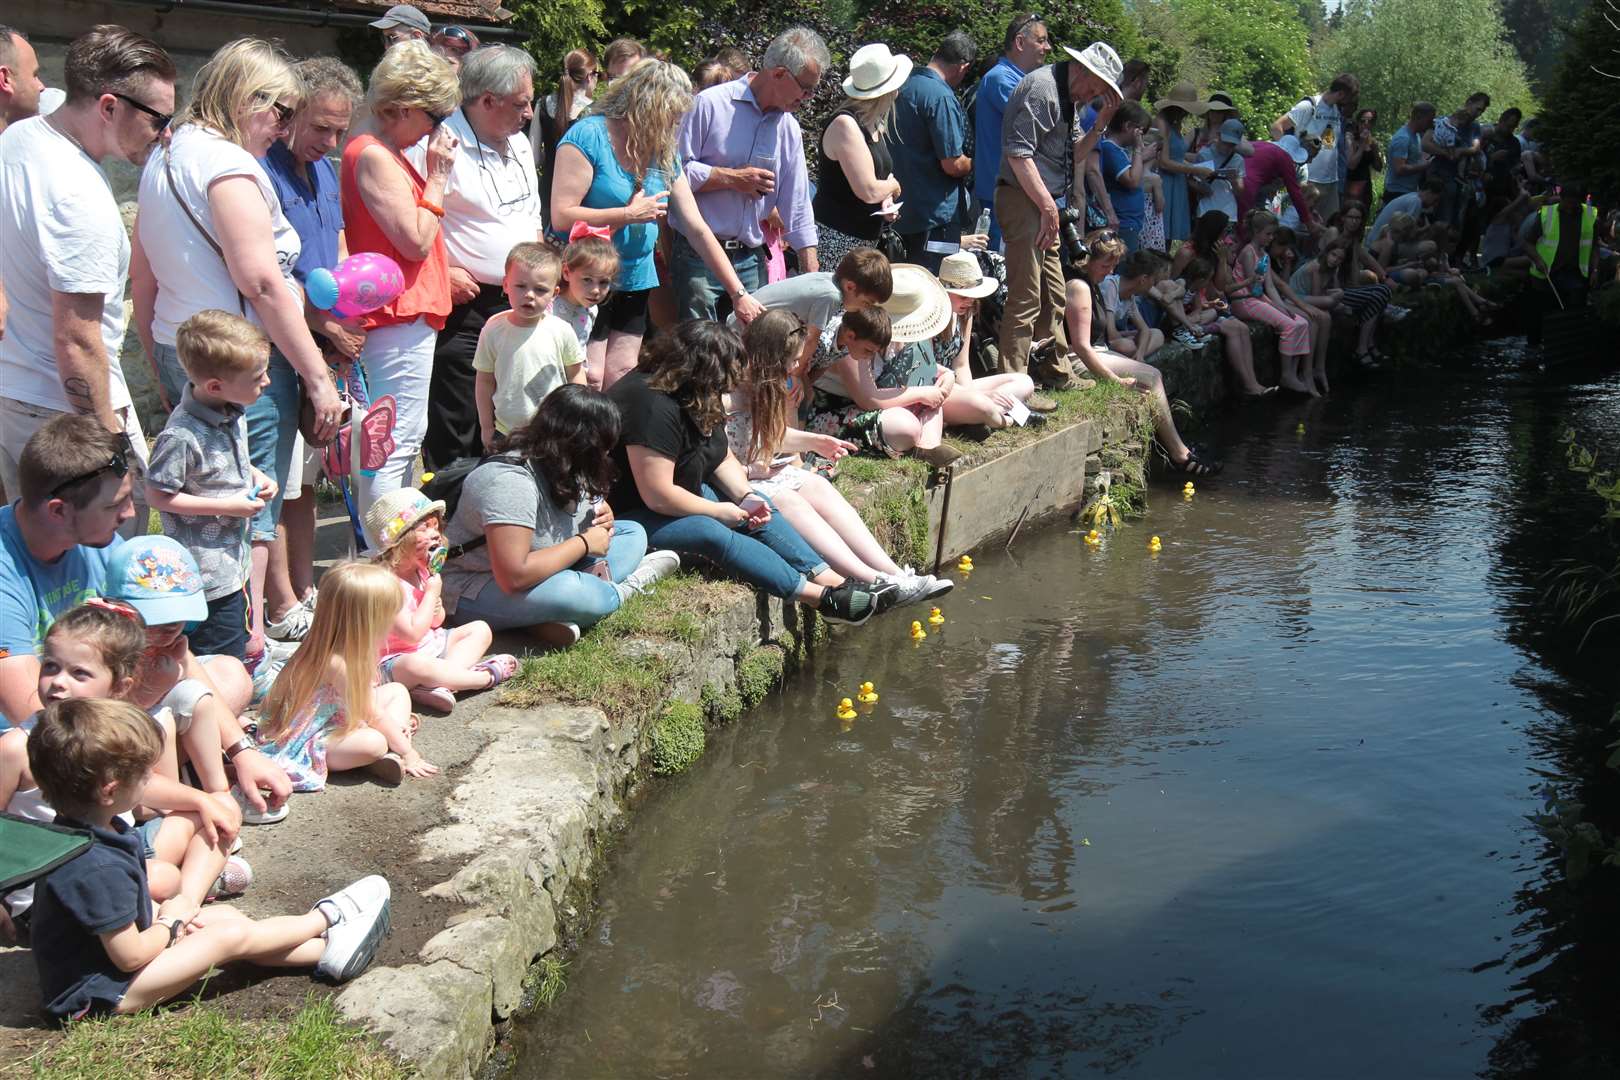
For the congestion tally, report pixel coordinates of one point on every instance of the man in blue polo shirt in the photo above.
(926, 140)
(75, 481)
(1025, 50)
(306, 182)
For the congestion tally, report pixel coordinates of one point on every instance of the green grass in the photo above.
(546, 980)
(203, 1042)
(677, 738)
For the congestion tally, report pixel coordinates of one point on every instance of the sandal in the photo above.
(437, 699)
(501, 666)
(1194, 466)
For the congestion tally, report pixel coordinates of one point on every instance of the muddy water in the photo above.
(1250, 807)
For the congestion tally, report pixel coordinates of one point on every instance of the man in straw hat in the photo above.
(1037, 169)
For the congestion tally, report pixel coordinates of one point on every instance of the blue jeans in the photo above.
(696, 289)
(1131, 237)
(568, 596)
(272, 427)
(170, 373)
(774, 558)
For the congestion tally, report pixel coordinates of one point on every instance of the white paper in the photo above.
(1019, 413)
(888, 208)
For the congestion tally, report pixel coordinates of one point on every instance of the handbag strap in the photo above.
(174, 189)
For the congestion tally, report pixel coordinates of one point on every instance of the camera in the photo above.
(1071, 230)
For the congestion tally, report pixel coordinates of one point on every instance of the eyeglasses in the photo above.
(117, 464)
(806, 90)
(491, 177)
(587, 78)
(161, 118)
(284, 113)
(436, 118)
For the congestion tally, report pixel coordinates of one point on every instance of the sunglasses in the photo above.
(117, 464)
(161, 118)
(436, 118)
(284, 113)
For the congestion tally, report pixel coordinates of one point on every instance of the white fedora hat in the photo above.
(918, 308)
(874, 71)
(1102, 61)
(959, 273)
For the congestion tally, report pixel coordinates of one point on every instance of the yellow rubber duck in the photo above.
(1093, 538)
(867, 694)
(846, 709)
(965, 565)
(426, 477)
(935, 618)
(1154, 545)
(1301, 429)
(917, 632)
(1188, 491)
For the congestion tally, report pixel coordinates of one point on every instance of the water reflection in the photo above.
(1253, 807)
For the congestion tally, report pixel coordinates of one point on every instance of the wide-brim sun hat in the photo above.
(157, 577)
(960, 273)
(1183, 96)
(1220, 101)
(919, 308)
(1294, 148)
(395, 514)
(875, 71)
(1101, 60)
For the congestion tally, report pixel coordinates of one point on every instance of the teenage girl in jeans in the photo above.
(678, 478)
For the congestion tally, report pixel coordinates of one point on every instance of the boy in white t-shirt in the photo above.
(525, 353)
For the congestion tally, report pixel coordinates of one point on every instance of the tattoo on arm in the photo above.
(78, 394)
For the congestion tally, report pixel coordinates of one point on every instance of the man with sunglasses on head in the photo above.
(64, 253)
(491, 203)
(743, 153)
(1024, 50)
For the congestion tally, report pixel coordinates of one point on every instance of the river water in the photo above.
(1250, 807)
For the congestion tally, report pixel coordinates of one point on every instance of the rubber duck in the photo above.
(426, 477)
(917, 632)
(867, 694)
(965, 564)
(1154, 545)
(1093, 538)
(1187, 490)
(1300, 430)
(935, 618)
(846, 709)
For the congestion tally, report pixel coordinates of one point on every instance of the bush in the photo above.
(677, 739)
(1580, 126)
(1255, 50)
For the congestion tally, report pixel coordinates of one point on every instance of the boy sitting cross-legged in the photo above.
(97, 945)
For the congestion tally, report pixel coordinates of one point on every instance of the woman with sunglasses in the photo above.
(454, 43)
(392, 208)
(211, 234)
(559, 110)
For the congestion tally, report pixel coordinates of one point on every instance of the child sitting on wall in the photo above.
(97, 947)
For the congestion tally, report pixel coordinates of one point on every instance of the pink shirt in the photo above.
(413, 596)
(1268, 165)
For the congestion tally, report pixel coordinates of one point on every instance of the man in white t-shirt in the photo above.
(64, 254)
(1321, 117)
(491, 204)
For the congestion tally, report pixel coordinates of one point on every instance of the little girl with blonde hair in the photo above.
(326, 713)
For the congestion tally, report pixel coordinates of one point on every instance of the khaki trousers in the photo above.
(1034, 279)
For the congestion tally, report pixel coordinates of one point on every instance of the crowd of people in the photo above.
(631, 331)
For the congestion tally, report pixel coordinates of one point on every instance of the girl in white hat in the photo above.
(993, 400)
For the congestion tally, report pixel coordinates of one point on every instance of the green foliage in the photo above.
(1255, 50)
(1580, 125)
(758, 673)
(1539, 31)
(203, 1040)
(677, 738)
(1582, 590)
(721, 704)
(546, 980)
(1583, 843)
(916, 27)
(1425, 50)
(553, 27)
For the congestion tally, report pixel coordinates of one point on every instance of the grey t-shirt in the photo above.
(815, 298)
(502, 493)
(1033, 127)
(203, 451)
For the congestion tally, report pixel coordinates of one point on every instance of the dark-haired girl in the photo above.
(678, 477)
(555, 559)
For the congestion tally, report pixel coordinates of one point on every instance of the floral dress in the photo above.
(764, 478)
(831, 413)
(301, 750)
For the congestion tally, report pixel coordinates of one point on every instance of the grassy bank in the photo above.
(202, 1041)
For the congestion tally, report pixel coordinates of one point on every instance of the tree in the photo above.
(1580, 126)
(1425, 50)
(1539, 31)
(1255, 50)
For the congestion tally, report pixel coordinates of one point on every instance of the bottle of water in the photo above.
(983, 227)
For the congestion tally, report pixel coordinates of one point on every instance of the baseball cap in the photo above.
(1102, 61)
(405, 16)
(157, 577)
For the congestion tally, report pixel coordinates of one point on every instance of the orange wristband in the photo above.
(432, 208)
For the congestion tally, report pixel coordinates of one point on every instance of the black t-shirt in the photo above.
(653, 419)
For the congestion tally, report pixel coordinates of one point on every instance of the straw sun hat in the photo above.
(395, 514)
(959, 273)
(918, 308)
(1182, 96)
(875, 71)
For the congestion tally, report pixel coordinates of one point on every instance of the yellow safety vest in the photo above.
(1547, 245)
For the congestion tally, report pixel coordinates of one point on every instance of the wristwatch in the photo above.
(739, 294)
(244, 743)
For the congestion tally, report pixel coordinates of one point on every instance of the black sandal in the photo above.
(1194, 466)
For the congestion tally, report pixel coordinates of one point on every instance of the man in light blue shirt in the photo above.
(1025, 50)
(1408, 164)
(743, 154)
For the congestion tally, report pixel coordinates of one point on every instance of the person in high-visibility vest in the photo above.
(1561, 241)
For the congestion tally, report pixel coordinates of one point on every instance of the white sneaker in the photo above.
(233, 880)
(293, 626)
(357, 920)
(915, 588)
(654, 566)
(250, 816)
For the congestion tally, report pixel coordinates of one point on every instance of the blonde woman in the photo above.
(211, 234)
(858, 188)
(617, 169)
(391, 208)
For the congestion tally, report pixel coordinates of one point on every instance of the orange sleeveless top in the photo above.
(427, 283)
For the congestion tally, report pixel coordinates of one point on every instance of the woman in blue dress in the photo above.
(1174, 168)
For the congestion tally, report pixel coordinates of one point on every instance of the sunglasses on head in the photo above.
(117, 464)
